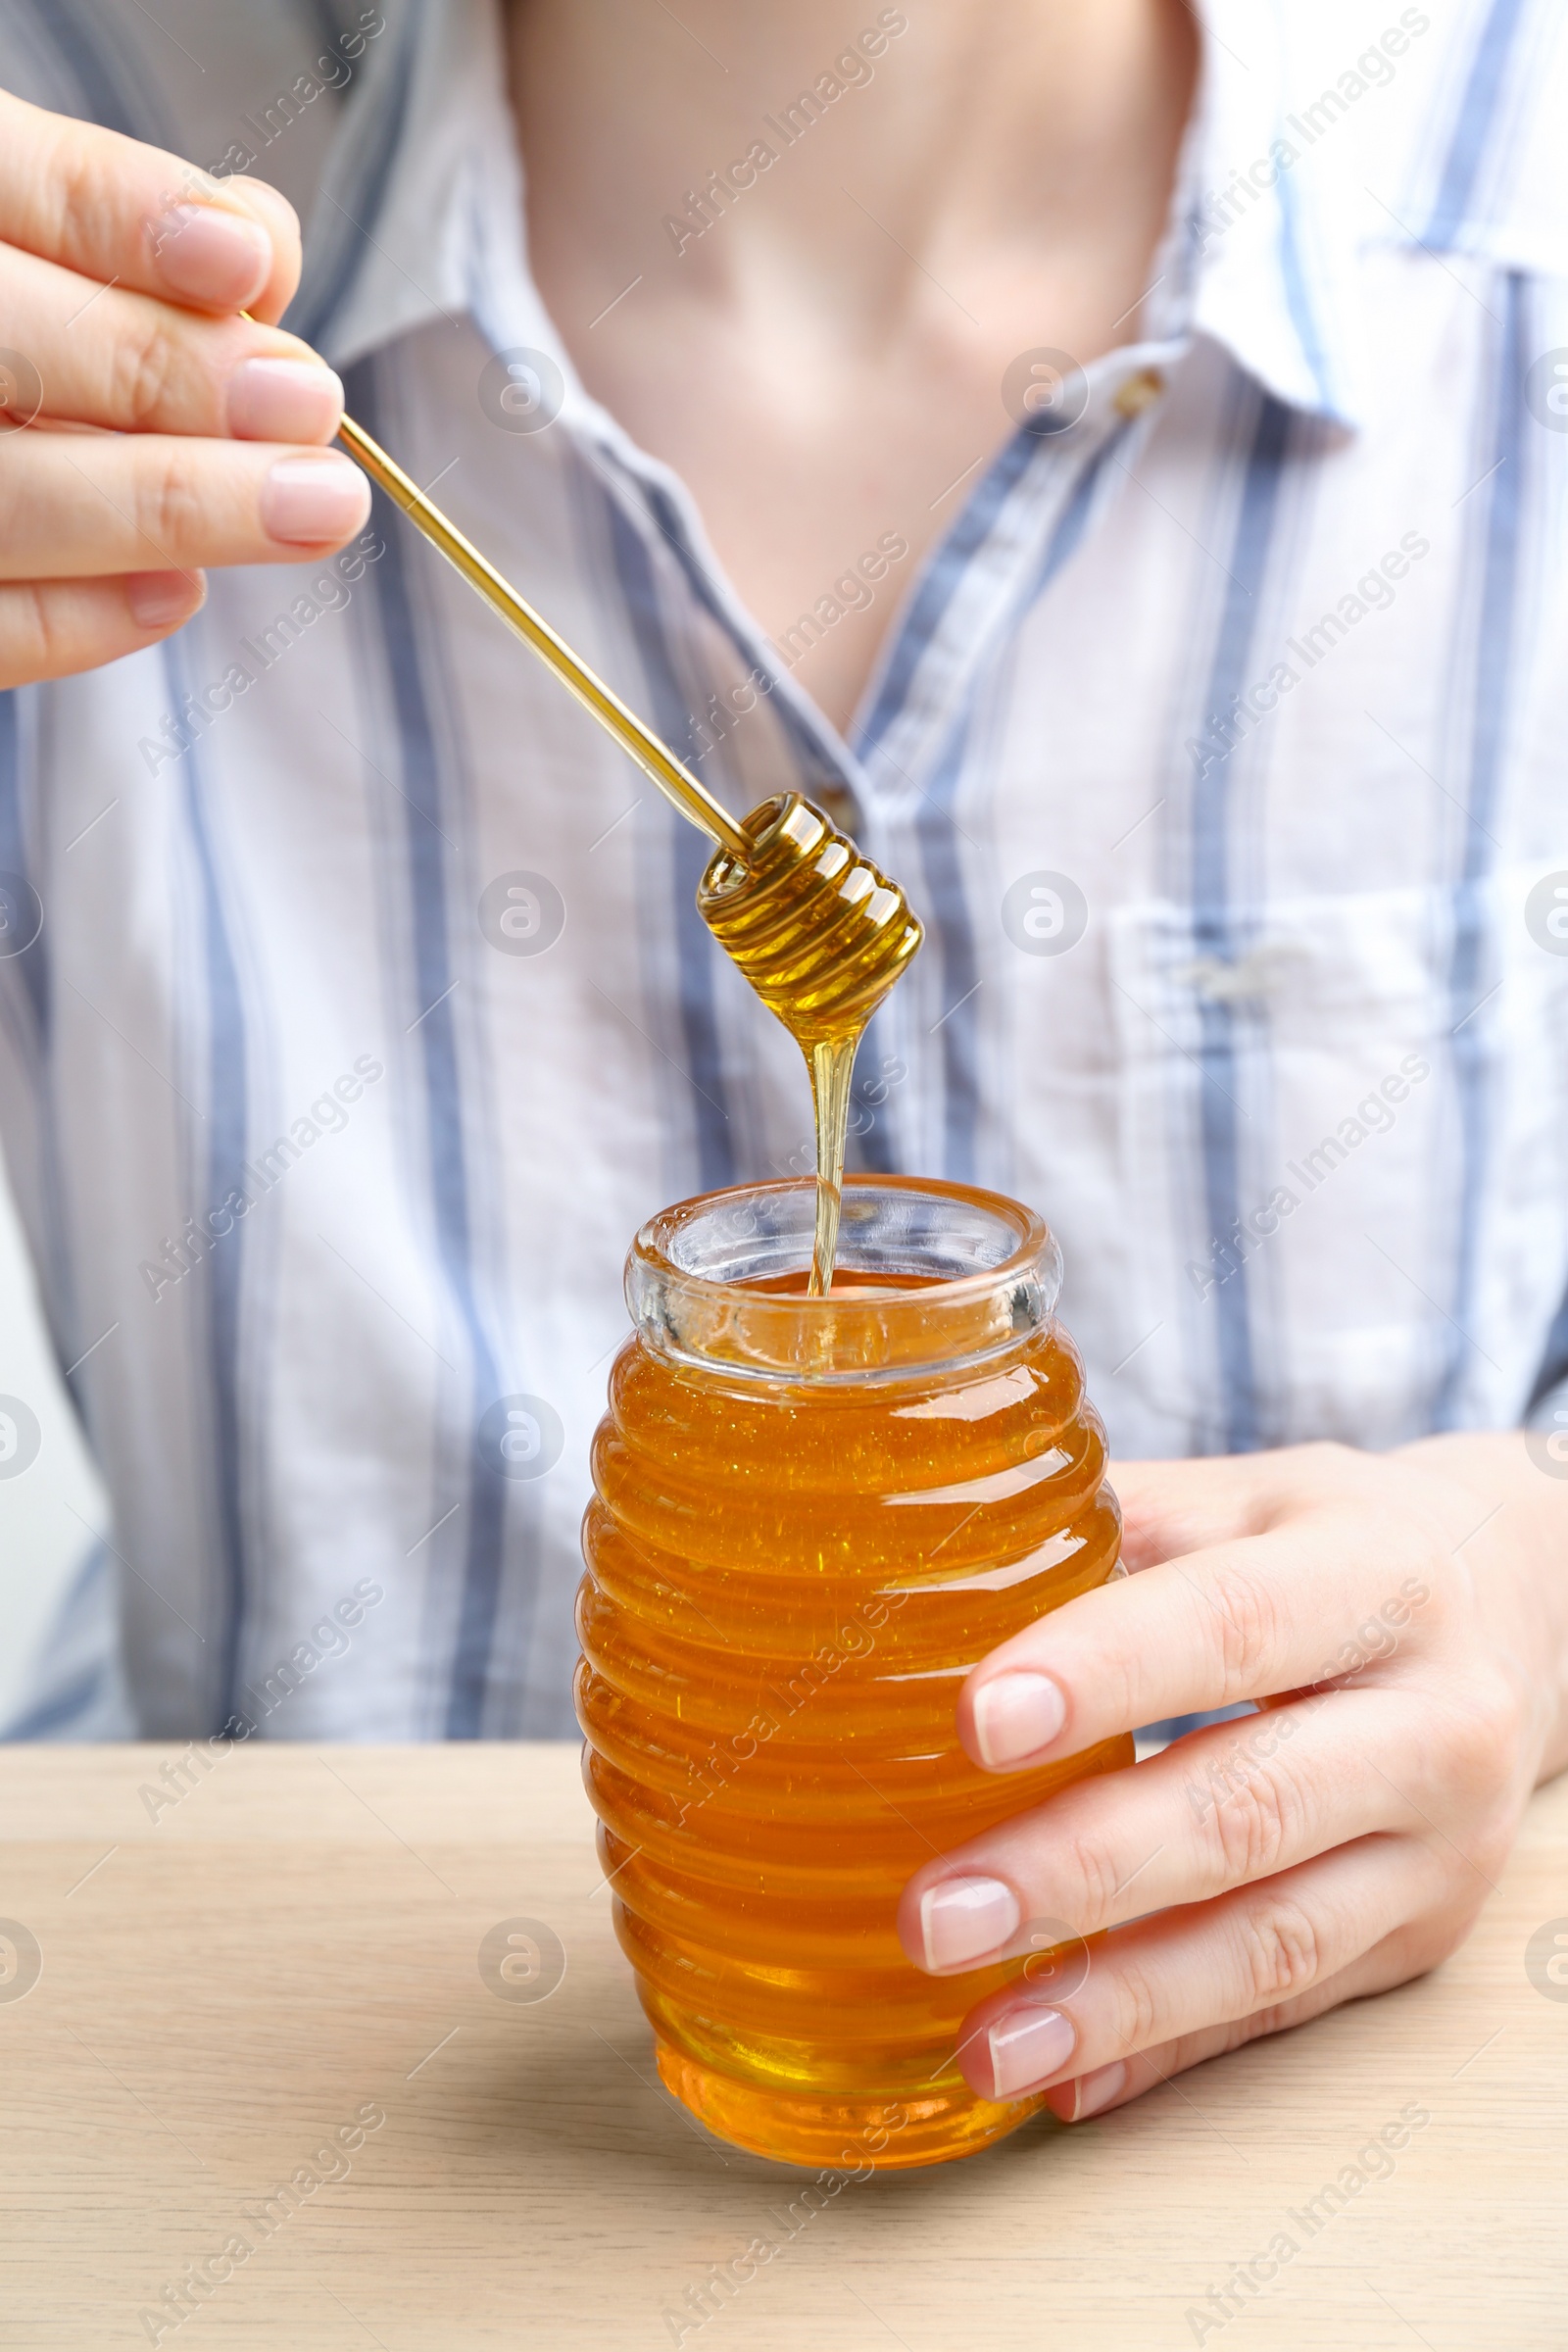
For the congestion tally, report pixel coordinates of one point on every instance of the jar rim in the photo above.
(988, 1270)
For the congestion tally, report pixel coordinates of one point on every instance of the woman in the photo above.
(1112, 458)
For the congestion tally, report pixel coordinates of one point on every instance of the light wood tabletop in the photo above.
(300, 1973)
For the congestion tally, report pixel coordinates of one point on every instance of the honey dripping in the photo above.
(822, 935)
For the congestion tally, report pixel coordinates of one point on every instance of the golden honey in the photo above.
(812, 1517)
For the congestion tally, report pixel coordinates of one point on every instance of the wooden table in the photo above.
(234, 1986)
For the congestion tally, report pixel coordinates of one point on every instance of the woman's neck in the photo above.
(982, 125)
(897, 214)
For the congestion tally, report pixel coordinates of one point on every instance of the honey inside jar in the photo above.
(813, 1517)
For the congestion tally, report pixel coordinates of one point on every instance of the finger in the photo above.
(1228, 1806)
(1105, 2087)
(79, 506)
(1206, 1965)
(1173, 1507)
(278, 217)
(54, 628)
(1242, 1620)
(116, 209)
(130, 363)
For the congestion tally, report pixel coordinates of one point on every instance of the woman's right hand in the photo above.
(146, 428)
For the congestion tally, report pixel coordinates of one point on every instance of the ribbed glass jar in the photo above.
(812, 1517)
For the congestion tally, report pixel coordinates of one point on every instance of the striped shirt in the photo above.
(355, 1009)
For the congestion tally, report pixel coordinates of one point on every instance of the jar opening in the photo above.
(706, 1279)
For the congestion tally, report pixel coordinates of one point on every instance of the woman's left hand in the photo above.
(1402, 1620)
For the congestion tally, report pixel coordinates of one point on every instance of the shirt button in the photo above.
(1139, 392)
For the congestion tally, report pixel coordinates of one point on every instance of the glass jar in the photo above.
(812, 1518)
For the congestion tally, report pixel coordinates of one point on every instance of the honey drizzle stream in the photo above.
(832, 1066)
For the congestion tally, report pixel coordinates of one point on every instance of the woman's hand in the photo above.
(1403, 1621)
(146, 429)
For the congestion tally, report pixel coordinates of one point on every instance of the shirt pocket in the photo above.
(1339, 1178)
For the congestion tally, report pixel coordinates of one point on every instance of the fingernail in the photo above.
(1015, 1715)
(1027, 2045)
(1099, 2088)
(1075, 2102)
(155, 598)
(964, 1919)
(212, 256)
(284, 399)
(308, 500)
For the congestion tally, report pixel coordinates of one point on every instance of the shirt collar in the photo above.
(1262, 246)
(420, 213)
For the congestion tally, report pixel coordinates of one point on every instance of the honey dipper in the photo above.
(820, 934)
